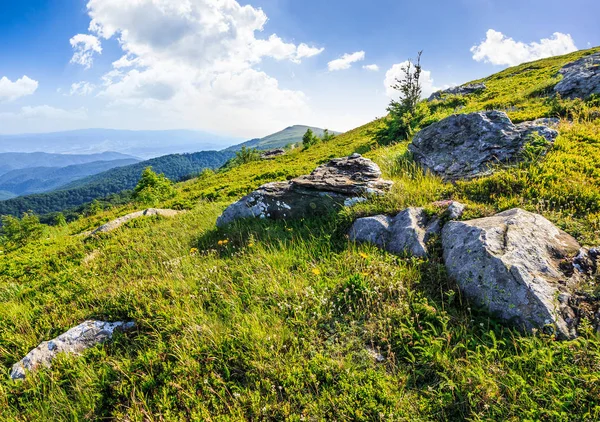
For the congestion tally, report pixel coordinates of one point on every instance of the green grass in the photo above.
(278, 323)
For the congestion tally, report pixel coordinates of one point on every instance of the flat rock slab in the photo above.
(330, 186)
(405, 234)
(74, 341)
(458, 90)
(581, 78)
(513, 264)
(273, 153)
(118, 222)
(464, 146)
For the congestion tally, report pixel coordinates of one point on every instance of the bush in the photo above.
(153, 188)
(246, 155)
(18, 232)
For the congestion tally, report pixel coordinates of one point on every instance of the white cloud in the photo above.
(46, 112)
(396, 72)
(195, 62)
(498, 49)
(10, 91)
(345, 62)
(82, 88)
(371, 67)
(84, 46)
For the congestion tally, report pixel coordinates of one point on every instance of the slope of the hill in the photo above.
(175, 167)
(21, 160)
(283, 320)
(290, 135)
(45, 179)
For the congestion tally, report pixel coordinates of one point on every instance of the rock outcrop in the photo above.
(405, 234)
(329, 186)
(273, 153)
(458, 90)
(464, 146)
(581, 78)
(118, 222)
(516, 265)
(74, 341)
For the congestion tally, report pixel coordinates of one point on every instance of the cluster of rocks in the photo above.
(464, 146)
(340, 182)
(581, 78)
(459, 90)
(516, 264)
(118, 222)
(74, 341)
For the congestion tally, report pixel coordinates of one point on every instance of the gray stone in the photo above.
(515, 264)
(118, 222)
(581, 78)
(273, 153)
(342, 181)
(74, 341)
(406, 233)
(458, 90)
(464, 146)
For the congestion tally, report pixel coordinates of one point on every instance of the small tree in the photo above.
(153, 187)
(19, 232)
(327, 136)
(309, 138)
(246, 155)
(60, 220)
(406, 113)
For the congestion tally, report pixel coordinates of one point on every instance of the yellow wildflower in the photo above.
(316, 271)
(364, 255)
(193, 251)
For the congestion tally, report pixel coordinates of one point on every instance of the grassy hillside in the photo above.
(290, 135)
(280, 322)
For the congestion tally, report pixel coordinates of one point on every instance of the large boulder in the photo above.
(74, 341)
(581, 78)
(405, 234)
(458, 90)
(118, 222)
(340, 181)
(464, 146)
(518, 266)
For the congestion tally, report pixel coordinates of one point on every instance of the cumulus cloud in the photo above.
(396, 72)
(498, 49)
(84, 46)
(10, 91)
(371, 67)
(197, 60)
(82, 88)
(345, 62)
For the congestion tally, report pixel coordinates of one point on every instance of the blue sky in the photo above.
(248, 68)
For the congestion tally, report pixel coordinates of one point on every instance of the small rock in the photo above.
(406, 233)
(458, 90)
(464, 146)
(271, 154)
(581, 78)
(118, 222)
(74, 341)
(512, 264)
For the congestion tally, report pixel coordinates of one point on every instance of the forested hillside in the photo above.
(116, 180)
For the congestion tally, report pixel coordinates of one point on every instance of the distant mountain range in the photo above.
(80, 188)
(289, 135)
(21, 160)
(139, 143)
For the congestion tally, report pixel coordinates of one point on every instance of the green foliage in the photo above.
(17, 232)
(60, 220)
(153, 188)
(309, 139)
(246, 155)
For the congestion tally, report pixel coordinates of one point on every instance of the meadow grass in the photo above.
(283, 320)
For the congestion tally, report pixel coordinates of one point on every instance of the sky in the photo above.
(249, 68)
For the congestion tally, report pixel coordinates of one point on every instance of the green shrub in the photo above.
(153, 188)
